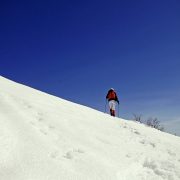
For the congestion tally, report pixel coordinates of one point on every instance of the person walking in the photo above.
(112, 99)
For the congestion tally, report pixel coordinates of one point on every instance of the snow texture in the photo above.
(43, 137)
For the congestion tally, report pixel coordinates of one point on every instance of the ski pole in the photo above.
(105, 106)
(118, 110)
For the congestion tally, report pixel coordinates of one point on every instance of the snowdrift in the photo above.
(43, 137)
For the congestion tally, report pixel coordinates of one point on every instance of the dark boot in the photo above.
(111, 112)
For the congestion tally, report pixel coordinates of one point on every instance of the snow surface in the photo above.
(43, 137)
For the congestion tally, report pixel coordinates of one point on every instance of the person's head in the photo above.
(112, 89)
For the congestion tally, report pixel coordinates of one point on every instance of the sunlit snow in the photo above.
(43, 137)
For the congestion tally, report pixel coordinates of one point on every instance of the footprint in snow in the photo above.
(40, 119)
(51, 127)
(27, 105)
(143, 141)
(136, 132)
(69, 155)
(32, 123)
(171, 153)
(54, 155)
(72, 153)
(43, 131)
(152, 144)
(128, 156)
(79, 151)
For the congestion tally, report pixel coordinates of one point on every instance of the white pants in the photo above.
(112, 104)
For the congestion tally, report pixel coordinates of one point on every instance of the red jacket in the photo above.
(111, 95)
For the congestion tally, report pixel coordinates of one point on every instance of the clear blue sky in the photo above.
(77, 50)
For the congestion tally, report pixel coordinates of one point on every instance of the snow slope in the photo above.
(43, 137)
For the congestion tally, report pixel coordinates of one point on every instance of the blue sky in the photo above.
(77, 50)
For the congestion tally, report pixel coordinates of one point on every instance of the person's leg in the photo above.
(113, 107)
(110, 107)
(111, 112)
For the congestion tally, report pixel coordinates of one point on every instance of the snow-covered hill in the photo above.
(43, 137)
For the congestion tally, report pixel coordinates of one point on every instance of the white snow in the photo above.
(43, 137)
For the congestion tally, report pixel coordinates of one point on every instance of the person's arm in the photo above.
(107, 95)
